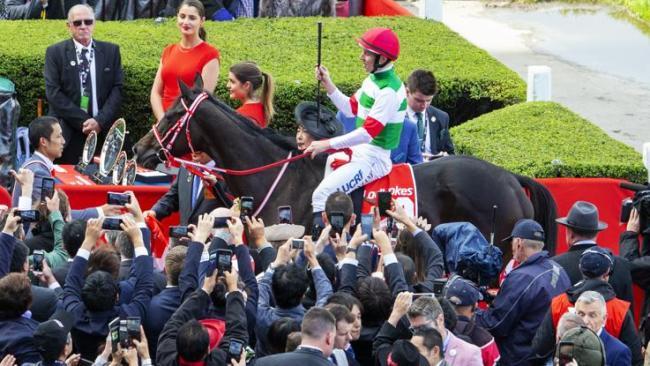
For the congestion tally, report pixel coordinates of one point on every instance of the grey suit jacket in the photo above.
(37, 165)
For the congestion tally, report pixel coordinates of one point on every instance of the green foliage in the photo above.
(544, 140)
(471, 81)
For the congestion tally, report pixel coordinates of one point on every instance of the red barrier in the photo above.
(375, 8)
(607, 195)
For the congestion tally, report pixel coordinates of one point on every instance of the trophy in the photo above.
(129, 173)
(110, 152)
(119, 169)
(86, 165)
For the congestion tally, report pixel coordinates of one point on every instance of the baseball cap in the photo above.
(404, 353)
(462, 292)
(527, 229)
(595, 262)
(51, 336)
(583, 345)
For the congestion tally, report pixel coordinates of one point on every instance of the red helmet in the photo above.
(382, 41)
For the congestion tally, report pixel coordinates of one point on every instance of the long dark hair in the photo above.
(201, 9)
(249, 71)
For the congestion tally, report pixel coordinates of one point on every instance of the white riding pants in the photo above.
(368, 164)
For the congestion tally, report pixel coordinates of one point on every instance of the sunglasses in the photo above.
(87, 22)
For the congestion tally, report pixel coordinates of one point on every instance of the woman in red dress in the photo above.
(245, 80)
(184, 59)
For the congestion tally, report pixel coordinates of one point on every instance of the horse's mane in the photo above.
(247, 125)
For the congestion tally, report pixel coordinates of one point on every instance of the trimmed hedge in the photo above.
(545, 140)
(472, 82)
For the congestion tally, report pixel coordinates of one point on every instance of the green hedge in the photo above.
(472, 82)
(544, 139)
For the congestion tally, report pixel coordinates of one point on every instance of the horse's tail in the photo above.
(545, 209)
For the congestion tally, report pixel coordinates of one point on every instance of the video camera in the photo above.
(641, 202)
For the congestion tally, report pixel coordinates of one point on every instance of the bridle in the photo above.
(201, 169)
(176, 128)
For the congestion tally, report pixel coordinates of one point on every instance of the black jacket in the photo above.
(620, 279)
(63, 91)
(544, 340)
(299, 357)
(194, 308)
(438, 133)
(179, 199)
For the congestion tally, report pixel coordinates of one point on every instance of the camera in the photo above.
(178, 231)
(316, 230)
(626, 209)
(298, 244)
(439, 286)
(38, 258)
(112, 223)
(284, 215)
(246, 206)
(47, 188)
(119, 199)
(114, 330)
(367, 221)
(641, 202)
(28, 216)
(337, 220)
(383, 202)
(133, 328)
(220, 222)
(220, 260)
(235, 349)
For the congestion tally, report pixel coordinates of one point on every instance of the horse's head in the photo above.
(148, 150)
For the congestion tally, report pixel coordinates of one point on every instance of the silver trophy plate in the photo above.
(112, 147)
(119, 168)
(129, 173)
(89, 148)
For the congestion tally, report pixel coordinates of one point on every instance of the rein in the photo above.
(201, 169)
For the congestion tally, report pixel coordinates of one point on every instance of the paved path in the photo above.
(619, 105)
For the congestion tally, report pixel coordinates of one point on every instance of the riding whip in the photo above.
(494, 224)
(318, 59)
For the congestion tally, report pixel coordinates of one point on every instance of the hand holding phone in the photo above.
(178, 231)
(337, 220)
(28, 216)
(298, 244)
(285, 216)
(367, 221)
(246, 206)
(112, 223)
(37, 259)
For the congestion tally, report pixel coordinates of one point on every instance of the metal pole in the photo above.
(494, 224)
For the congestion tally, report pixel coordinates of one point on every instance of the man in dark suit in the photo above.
(582, 227)
(83, 82)
(318, 332)
(164, 304)
(432, 123)
(591, 307)
(189, 196)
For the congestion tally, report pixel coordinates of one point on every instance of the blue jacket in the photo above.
(408, 150)
(159, 312)
(7, 244)
(616, 353)
(91, 327)
(16, 338)
(519, 308)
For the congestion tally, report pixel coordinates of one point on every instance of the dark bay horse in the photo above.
(454, 188)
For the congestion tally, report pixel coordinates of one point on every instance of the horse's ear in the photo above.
(198, 82)
(185, 90)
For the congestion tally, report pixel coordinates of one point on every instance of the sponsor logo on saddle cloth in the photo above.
(400, 182)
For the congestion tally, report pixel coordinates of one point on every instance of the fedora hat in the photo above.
(583, 216)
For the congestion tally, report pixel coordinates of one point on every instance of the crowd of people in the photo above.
(82, 286)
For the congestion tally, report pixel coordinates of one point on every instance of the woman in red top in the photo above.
(184, 59)
(245, 80)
